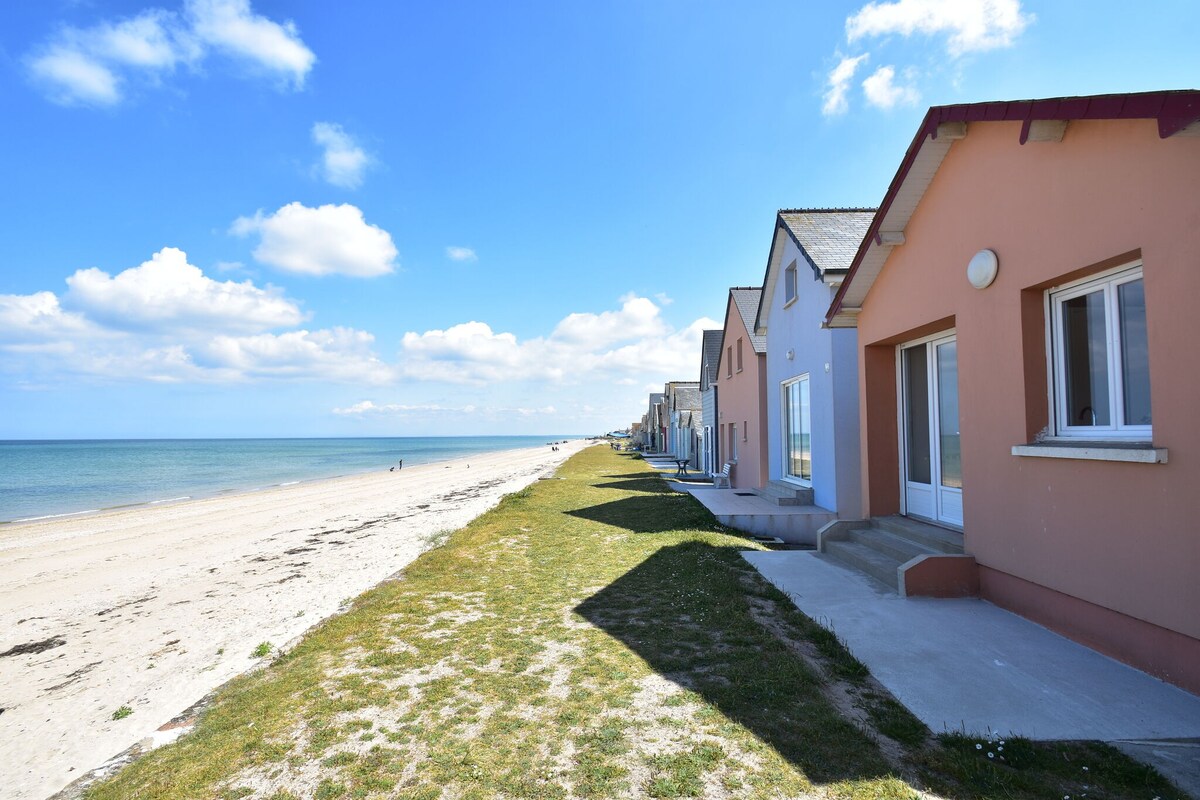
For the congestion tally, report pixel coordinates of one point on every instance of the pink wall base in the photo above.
(940, 576)
(1163, 653)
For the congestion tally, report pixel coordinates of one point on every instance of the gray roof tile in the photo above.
(746, 299)
(829, 237)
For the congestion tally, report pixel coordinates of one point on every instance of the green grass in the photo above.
(591, 637)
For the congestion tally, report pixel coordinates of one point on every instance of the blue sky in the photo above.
(235, 218)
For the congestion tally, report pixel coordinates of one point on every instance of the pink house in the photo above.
(742, 391)
(1029, 362)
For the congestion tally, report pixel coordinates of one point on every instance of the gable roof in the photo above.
(685, 397)
(827, 238)
(745, 299)
(710, 354)
(1176, 112)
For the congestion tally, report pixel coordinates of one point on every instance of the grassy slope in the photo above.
(593, 636)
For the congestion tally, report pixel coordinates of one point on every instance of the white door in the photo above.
(931, 461)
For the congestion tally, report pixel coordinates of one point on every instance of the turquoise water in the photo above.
(49, 478)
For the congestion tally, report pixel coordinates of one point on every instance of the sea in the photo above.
(46, 479)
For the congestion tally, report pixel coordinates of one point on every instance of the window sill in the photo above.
(1094, 451)
(792, 302)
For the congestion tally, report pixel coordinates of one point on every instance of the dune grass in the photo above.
(594, 636)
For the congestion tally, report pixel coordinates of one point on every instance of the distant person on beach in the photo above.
(401, 464)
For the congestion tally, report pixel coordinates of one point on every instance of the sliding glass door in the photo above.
(797, 431)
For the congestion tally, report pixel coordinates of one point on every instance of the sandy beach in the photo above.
(153, 607)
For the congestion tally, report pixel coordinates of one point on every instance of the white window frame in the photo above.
(783, 427)
(1108, 282)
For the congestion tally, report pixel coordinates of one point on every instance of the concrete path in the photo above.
(968, 665)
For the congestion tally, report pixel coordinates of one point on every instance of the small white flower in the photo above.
(978, 747)
(991, 755)
(1085, 769)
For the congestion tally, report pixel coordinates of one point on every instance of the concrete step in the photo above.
(931, 537)
(785, 494)
(888, 544)
(866, 560)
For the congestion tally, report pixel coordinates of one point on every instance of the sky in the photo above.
(232, 218)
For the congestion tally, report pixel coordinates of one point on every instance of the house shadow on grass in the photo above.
(647, 513)
(687, 611)
(651, 484)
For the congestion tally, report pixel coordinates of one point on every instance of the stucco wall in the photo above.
(742, 403)
(1121, 536)
(833, 394)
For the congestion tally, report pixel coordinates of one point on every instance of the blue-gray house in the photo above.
(812, 371)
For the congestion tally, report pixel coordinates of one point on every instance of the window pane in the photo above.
(789, 282)
(916, 404)
(948, 439)
(1135, 364)
(1085, 357)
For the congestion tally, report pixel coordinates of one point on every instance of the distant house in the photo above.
(710, 355)
(1028, 361)
(683, 403)
(742, 384)
(656, 429)
(811, 371)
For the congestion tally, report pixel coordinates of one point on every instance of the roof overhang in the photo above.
(1177, 114)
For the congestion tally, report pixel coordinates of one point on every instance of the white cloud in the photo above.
(461, 254)
(231, 26)
(611, 345)
(75, 77)
(368, 408)
(166, 321)
(637, 318)
(972, 25)
(151, 40)
(39, 316)
(326, 240)
(343, 161)
(882, 92)
(91, 66)
(101, 330)
(167, 291)
(337, 354)
(839, 83)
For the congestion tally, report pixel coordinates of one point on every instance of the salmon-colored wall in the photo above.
(742, 399)
(1122, 536)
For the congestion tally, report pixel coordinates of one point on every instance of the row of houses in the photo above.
(1003, 351)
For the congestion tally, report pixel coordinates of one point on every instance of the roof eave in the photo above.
(1176, 113)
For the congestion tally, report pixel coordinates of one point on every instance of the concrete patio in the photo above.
(745, 511)
(966, 665)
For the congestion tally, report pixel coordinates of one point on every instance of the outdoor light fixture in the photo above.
(791, 354)
(981, 270)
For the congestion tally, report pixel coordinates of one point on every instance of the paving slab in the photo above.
(967, 665)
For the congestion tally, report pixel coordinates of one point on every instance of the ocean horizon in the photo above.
(48, 478)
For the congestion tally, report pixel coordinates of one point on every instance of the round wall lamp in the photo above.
(791, 354)
(982, 269)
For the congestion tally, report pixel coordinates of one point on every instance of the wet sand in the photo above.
(153, 607)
